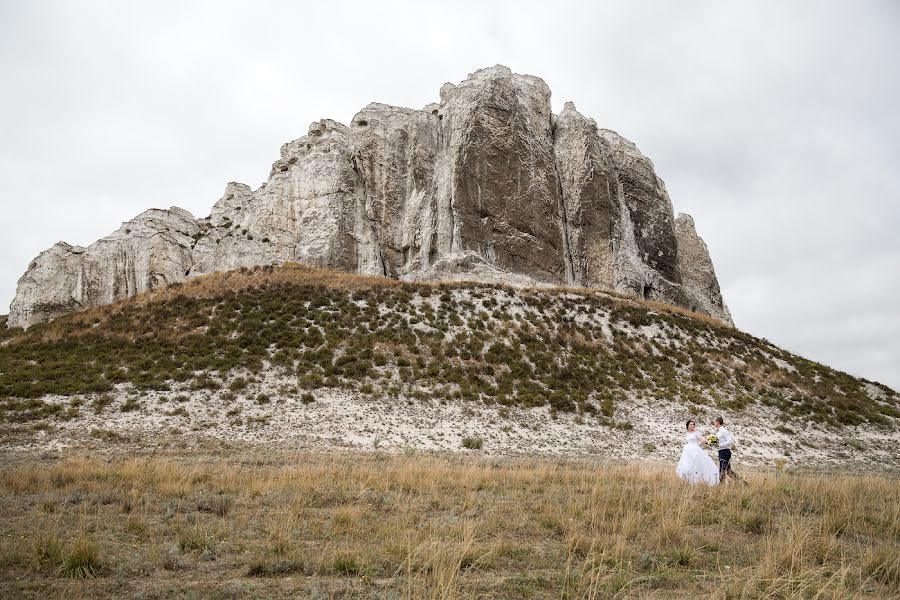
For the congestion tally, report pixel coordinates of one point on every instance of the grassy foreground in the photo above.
(251, 523)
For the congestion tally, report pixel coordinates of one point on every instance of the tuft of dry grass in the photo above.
(684, 312)
(277, 525)
(80, 561)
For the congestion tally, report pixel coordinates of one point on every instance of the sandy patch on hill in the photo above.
(338, 419)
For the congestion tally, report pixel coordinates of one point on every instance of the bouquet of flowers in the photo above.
(713, 439)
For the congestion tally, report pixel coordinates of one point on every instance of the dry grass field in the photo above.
(250, 522)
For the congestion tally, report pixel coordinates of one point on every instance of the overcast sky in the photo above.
(775, 124)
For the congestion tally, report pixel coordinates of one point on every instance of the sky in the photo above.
(775, 124)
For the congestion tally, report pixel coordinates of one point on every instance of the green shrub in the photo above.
(238, 384)
(346, 565)
(130, 404)
(107, 435)
(607, 408)
(80, 561)
(101, 402)
(473, 443)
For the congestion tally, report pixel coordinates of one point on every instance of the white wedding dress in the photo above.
(695, 465)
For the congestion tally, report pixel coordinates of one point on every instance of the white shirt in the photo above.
(725, 438)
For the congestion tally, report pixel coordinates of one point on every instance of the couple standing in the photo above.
(696, 466)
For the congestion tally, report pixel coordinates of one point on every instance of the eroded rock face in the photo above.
(152, 250)
(310, 210)
(485, 185)
(696, 268)
(504, 194)
(394, 151)
(649, 208)
(589, 187)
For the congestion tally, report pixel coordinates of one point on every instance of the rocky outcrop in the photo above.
(488, 184)
(152, 250)
(394, 152)
(589, 189)
(697, 273)
(500, 177)
(310, 210)
(647, 204)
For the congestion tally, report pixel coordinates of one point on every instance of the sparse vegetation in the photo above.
(238, 384)
(101, 402)
(81, 560)
(580, 351)
(107, 435)
(373, 525)
(130, 404)
(473, 443)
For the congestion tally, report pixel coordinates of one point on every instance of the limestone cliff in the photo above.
(152, 250)
(488, 184)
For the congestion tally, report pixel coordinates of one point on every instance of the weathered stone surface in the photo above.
(589, 194)
(504, 199)
(697, 273)
(152, 250)
(394, 151)
(648, 204)
(485, 185)
(310, 210)
(619, 219)
(644, 245)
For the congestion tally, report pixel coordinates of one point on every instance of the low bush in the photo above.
(131, 404)
(473, 443)
(81, 560)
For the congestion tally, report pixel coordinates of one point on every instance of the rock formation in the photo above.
(488, 184)
(697, 274)
(150, 251)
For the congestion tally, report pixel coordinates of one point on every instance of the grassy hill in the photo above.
(574, 350)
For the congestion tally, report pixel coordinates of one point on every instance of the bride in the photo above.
(695, 465)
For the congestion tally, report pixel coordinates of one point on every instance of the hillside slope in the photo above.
(317, 358)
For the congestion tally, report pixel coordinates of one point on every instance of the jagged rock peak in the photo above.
(696, 269)
(487, 184)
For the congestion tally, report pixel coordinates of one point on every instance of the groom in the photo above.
(726, 441)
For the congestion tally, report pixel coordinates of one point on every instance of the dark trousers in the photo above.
(724, 462)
